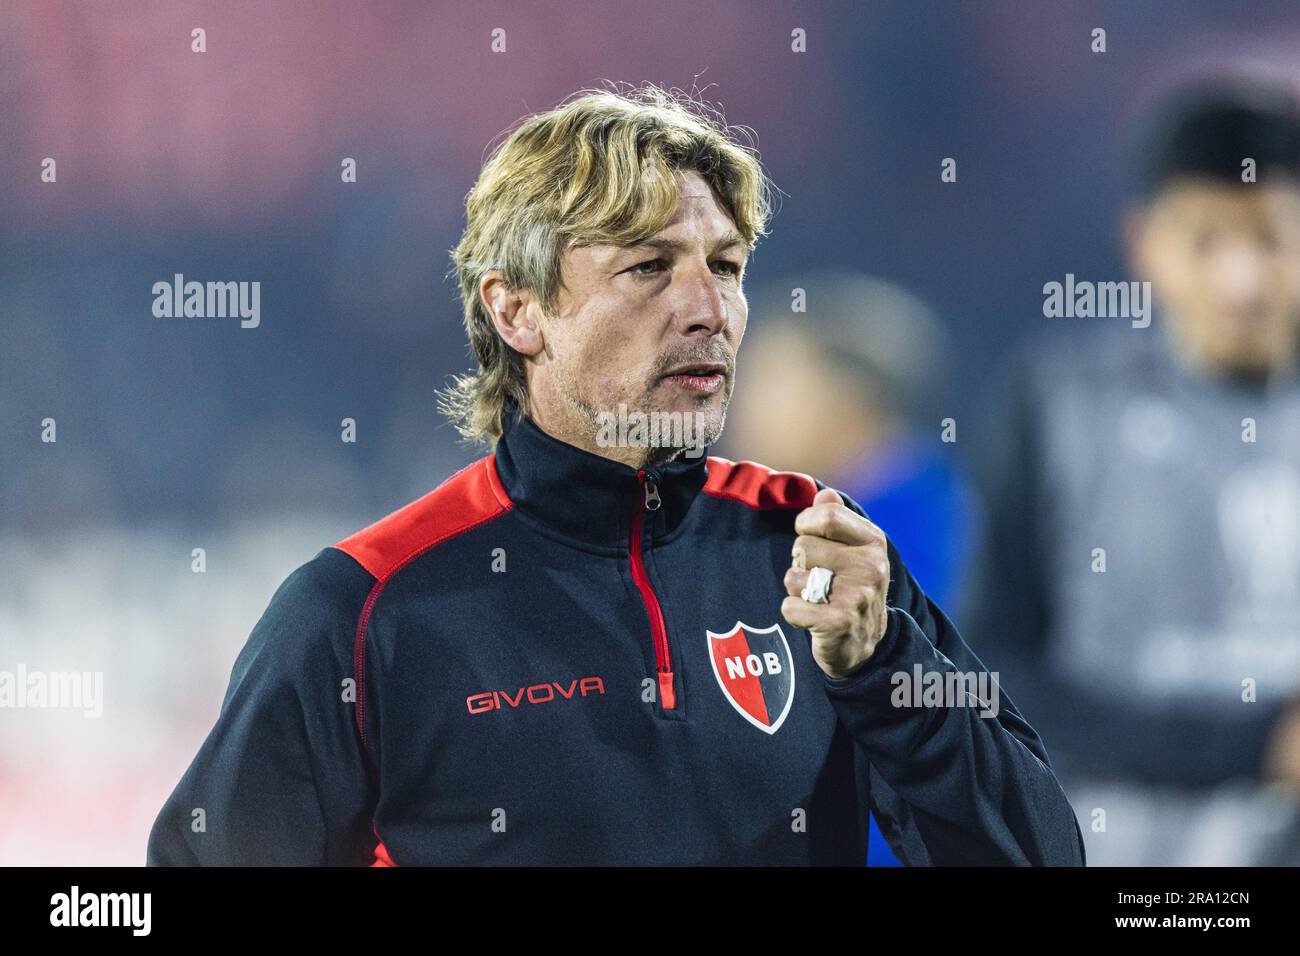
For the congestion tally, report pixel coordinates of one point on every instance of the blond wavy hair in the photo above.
(600, 168)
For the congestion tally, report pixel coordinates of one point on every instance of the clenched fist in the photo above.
(846, 630)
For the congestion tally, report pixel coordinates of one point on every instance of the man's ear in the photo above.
(515, 314)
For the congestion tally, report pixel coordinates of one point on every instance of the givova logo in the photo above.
(102, 909)
(490, 700)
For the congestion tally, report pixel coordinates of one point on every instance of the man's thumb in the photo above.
(828, 496)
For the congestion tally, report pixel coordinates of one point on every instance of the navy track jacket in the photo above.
(555, 658)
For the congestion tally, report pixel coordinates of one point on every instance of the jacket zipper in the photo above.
(663, 661)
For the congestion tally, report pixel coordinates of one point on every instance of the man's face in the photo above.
(654, 327)
(1225, 261)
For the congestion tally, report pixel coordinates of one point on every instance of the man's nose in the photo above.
(701, 305)
(1239, 272)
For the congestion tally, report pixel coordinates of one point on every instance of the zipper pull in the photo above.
(652, 501)
(667, 696)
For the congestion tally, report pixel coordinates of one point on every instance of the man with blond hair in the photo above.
(597, 644)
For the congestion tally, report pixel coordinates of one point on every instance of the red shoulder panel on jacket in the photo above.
(759, 486)
(468, 498)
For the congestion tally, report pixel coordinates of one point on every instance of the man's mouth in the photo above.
(702, 377)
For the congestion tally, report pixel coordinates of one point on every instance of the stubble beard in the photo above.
(588, 418)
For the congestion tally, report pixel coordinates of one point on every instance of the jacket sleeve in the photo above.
(1007, 614)
(283, 778)
(951, 785)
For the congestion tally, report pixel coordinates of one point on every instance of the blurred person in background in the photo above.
(869, 359)
(1139, 583)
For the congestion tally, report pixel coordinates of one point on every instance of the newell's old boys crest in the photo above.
(756, 672)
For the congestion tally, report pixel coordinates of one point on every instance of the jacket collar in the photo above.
(584, 498)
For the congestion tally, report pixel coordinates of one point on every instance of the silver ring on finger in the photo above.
(817, 590)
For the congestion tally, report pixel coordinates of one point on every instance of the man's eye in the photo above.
(651, 266)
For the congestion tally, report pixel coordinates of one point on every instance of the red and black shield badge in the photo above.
(756, 673)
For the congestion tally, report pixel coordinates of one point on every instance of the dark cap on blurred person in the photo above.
(1209, 126)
